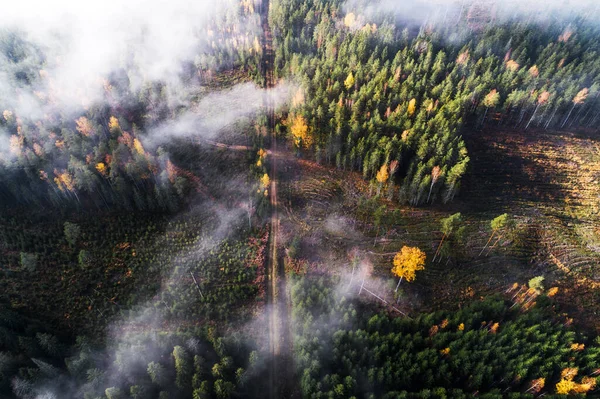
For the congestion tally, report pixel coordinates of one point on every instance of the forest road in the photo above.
(280, 343)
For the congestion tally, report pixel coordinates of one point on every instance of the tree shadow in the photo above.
(508, 171)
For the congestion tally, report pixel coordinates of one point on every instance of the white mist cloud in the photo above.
(447, 11)
(5, 153)
(148, 318)
(131, 342)
(220, 109)
(84, 41)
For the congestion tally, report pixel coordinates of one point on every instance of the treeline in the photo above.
(489, 349)
(94, 153)
(393, 103)
(198, 364)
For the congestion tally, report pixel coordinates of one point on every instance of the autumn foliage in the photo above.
(265, 181)
(300, 134)
(84, 126)
(567, 386)
(491, 99)
(407, 262)
(382, 175)
(412, 106)
(512, 65)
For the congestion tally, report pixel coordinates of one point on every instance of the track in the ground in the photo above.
(280, 344)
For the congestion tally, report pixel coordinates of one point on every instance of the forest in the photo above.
(488, 348)
(380, 99)
(300, 199)
(95, 155)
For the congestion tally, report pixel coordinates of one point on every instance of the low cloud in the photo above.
(446, 12)
(219, 110)
(79, 43)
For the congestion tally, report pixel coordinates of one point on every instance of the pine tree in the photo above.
(450, 227)
(157, 373)
(183, 368)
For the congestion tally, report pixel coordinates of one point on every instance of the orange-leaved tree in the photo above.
(541, 100)
(578, 99)
(490, 101)
(407, 262)
(436, 172)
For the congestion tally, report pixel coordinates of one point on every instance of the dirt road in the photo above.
(280, 343)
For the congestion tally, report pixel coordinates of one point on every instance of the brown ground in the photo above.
(549, 181)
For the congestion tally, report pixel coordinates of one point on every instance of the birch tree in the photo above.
(407, 262)
(541, 100)
(578, 99)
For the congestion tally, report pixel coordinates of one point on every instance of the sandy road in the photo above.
(272, 263)
(280, 337)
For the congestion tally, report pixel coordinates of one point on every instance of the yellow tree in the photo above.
(564, 387)
(265, 181)
(101, 167)
(491, 99)
(300, 133)
(567, 386)
(137, 145)
(412, 106)
(512, 65)
(64, 181)
(382, 177)
(534, 71)
(350, 20)
(8, 115)
(84, 126)
(16, 144)
(113, 124)
(407, 262)
(349, 82)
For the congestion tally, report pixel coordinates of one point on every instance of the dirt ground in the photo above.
(549, 182)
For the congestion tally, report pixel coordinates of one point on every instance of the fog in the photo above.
(132, 339)
(79, 44)
(75, 45)
(447, 12)
(82, 42)
(218, 110)
(60, 58)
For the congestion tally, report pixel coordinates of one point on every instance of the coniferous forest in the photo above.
(299, 199)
